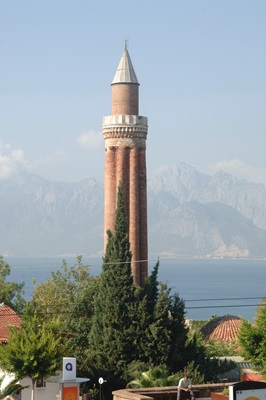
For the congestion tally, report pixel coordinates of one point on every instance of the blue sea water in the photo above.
(208, 286)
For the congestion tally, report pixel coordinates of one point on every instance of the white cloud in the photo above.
(11, 160)
(238, 169)
(90, 140)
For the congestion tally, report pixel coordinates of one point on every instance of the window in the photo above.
(40, 383)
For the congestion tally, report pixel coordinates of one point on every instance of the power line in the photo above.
(228, 299)
(226, 306)
(69, 311)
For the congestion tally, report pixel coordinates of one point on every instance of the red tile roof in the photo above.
(7, 317)
(222, 328)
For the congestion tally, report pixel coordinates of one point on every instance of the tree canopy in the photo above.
(252, 339)
(33, 350)
(57, 297)
(66, 300)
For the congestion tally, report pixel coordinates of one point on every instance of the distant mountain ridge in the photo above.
(186, 184)
(190, 214)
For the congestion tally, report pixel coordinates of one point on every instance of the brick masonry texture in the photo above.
(125, 160)
(125, 99)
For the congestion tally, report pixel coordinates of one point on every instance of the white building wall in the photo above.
(49, 392)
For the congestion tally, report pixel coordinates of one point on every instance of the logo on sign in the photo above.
(69, 367)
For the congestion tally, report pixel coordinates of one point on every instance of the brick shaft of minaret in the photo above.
(125, 134)
(125, 160)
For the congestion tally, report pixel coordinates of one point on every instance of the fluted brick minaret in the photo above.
(125, 135)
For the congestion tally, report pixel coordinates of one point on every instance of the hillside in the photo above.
(189, 214)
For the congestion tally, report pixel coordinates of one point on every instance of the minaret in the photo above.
(125, 134)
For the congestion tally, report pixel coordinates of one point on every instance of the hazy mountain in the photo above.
(38, 217)
(185, 183)
(190, 214)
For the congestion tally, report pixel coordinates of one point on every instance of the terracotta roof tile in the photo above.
(7, 317)
(222, 328)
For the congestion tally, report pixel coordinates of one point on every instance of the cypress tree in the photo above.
(111, 336)
(132, 324)
(161, 336)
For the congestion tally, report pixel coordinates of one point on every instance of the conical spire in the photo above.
(125, 72)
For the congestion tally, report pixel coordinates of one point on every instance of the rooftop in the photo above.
(222, 328)
(8, 317)
(125, 72)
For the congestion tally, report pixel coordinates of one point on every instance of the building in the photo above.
(125, 134)
(8, 317)
(224, 328)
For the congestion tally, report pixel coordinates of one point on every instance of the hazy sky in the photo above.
(201, 65)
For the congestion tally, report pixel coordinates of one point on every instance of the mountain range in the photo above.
(190, 214)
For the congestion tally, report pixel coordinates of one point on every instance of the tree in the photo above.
(111, 346)
(67, 301)
(220, 348)
(80, 322)
(33, 350)
(252, 339)
(155, 334)
(135, 327)
(208, 367)
(161, 333)
(58, 298)
(11, 293)
(177, 359)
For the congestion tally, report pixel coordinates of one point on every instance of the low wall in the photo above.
(166, 393)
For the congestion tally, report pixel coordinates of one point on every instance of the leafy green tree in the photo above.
(208, 367)
(33, 350)
(11, 293)
(80, 323)
(58, 298)
(111, 345)
(220, 348)
(67, 301)
(252, 339)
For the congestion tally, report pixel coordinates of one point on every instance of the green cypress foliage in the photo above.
(178, 334)
(161, 336)
(111, 336)
(158, 333)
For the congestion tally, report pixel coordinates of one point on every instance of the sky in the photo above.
(201, 65)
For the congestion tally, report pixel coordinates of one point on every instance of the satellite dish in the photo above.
(100, 381)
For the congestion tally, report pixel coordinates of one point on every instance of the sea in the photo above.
(209, 287)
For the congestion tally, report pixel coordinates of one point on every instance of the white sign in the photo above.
(251, 394)
(69, 368)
